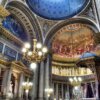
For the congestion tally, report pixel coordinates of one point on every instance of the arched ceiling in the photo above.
(73, 40)
(68, 44)
(21, 12)
(57, 9)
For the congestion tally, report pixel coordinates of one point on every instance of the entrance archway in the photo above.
(64, 34)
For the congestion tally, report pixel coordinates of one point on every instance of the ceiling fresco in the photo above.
(73, 40)
(57, 9)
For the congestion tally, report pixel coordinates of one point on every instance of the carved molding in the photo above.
(26, 17)
(23, 20)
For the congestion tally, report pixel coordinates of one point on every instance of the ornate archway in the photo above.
(30, 23)
(68, 31)
(51, 33)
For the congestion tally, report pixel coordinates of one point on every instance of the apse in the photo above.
(57, 9)
(73, 40)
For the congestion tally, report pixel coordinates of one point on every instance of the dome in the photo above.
(57, 9)
(87, 55)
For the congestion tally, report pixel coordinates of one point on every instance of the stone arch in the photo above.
(26, 17)
(51, 33)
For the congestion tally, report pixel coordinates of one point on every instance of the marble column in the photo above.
(97, 90)
(62, 91)
(57, 91)
(20, 90)
(35, 83)
(3, 50)
(3, 2)
(6, 81)
(53, 95)
(16, 88)
(68, 93)
(41, 82)
(85, 90)
(92, 88)
(47, 75)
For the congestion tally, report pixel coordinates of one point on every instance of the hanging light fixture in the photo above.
(35, 53)
(49, 91)
(27, 86)
(75, 80)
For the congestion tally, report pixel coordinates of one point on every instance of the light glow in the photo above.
(75, 79)
(49, 90)
(80, 79)
(76, 87)
(24, 84)
(40, 53)
(39, 45)
(26, 90)
(29, 53)
(27, 45)
(70, 79)
(24, 50)
(44, 50)
(30, 83)
(33, 66)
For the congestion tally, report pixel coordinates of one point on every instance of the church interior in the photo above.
(49, 50)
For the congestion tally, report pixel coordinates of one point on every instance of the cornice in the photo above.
(16, 65)
(59, 58)
(64, 79)
(21, 67)
(63, 64)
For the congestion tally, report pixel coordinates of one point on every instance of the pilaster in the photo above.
(6, 81)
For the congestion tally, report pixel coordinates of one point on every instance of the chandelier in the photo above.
(36, 53)
(49, 91)
(27, 86)
(74, 81)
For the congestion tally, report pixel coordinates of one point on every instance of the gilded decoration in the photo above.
(16, 66)
(70, 71)
(3, 12)
(20, 67)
